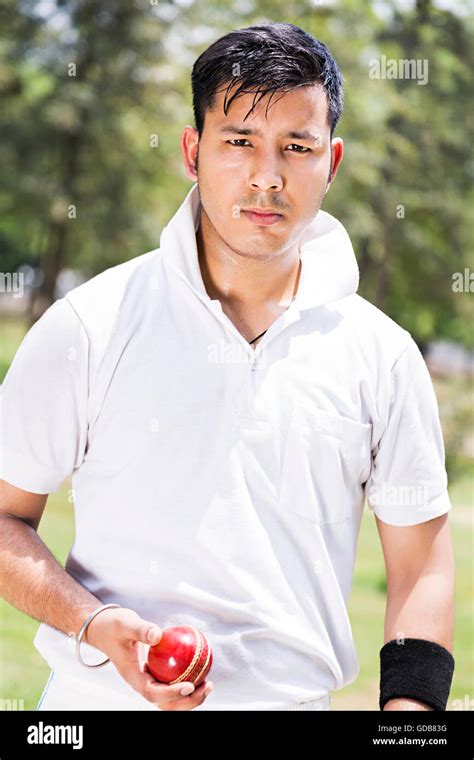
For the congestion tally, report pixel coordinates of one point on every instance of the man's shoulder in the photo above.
(375, 329)
(97, 301)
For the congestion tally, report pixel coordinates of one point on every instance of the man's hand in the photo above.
(125, 637)
(403, 703)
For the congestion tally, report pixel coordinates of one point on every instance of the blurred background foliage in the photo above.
(87, 140)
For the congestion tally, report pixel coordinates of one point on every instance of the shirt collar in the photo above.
(329, 269)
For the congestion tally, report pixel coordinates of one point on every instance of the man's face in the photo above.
(283, 165)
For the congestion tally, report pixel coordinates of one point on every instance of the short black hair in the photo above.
(272, 57)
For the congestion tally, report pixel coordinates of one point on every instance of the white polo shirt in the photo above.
(217, 484)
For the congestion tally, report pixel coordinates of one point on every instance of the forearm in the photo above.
(423, 610)
(34, 582)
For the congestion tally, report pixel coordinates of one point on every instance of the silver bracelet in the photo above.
(82, 631)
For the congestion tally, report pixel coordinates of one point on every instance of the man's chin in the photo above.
(261, 250)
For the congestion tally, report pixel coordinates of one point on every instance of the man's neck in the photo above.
(241, 282)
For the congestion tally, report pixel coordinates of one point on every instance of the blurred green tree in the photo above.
(95, 96)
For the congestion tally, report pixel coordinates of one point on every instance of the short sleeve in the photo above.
(408, 482)
(43, 403)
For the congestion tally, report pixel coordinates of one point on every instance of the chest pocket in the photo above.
(327, 458)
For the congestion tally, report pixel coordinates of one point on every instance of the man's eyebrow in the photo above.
(294, 134)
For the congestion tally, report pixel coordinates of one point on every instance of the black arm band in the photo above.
(416, 669)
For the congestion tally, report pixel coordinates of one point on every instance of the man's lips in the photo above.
(258, 210)
(262, 216)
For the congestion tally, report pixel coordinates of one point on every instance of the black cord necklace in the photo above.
(258, 336)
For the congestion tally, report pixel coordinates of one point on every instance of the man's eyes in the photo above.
(301, 148)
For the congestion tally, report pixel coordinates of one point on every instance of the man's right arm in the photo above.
(34, 582)
(30, 577)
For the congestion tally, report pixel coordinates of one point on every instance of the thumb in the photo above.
(153, 634)
(144, 631)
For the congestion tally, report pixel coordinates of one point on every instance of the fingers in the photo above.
(179, 696)
(161, 693)
(146, 685)
(130, 661)
(190, 702)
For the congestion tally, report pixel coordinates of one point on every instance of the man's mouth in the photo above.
(263, 217)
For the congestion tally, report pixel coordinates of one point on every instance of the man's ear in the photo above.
(337, 152)
(190, 149)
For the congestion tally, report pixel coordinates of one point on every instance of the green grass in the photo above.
(23, 673)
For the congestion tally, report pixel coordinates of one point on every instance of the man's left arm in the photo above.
(420, 568)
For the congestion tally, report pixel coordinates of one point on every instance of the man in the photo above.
(224, 404)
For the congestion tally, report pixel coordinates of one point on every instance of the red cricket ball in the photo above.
(182, 654)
